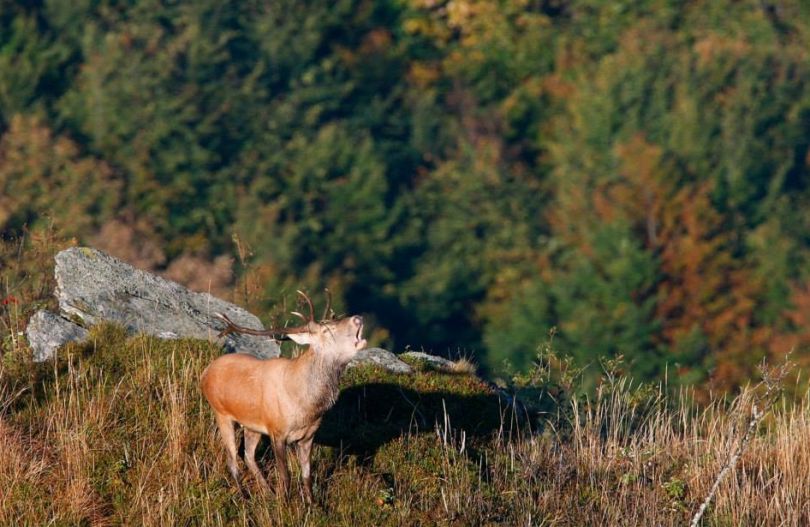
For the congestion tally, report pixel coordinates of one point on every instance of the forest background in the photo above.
(470, 174)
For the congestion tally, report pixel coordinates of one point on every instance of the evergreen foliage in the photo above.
(472, 173)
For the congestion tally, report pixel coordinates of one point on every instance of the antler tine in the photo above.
(229, 327)
(309, 303)
(299, 315)
(328, 304)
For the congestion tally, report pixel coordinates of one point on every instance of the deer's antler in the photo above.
(231, 327)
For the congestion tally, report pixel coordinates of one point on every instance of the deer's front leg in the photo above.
(303, 449)
(280, 452)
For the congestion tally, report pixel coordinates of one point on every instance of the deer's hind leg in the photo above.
(228, 435)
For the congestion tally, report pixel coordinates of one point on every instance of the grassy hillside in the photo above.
(117, 432)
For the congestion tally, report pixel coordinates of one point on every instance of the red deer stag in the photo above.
(282, 398)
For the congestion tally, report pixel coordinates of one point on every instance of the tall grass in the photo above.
(116, 432)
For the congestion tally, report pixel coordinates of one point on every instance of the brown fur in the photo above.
(282, 398)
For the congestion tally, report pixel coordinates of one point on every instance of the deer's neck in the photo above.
(321, 379)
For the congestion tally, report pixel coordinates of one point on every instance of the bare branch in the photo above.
(773, 379)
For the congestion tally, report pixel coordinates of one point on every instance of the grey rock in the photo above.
(380, 357)
(47, 332)
(96, 287)
(434, 362)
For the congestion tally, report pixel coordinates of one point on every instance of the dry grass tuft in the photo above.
(463, 366)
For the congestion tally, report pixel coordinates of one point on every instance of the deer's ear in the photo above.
(304, 337)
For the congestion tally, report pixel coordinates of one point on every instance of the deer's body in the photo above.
(279, 397)
(282, 398)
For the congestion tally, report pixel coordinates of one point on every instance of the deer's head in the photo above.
(338, 339)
